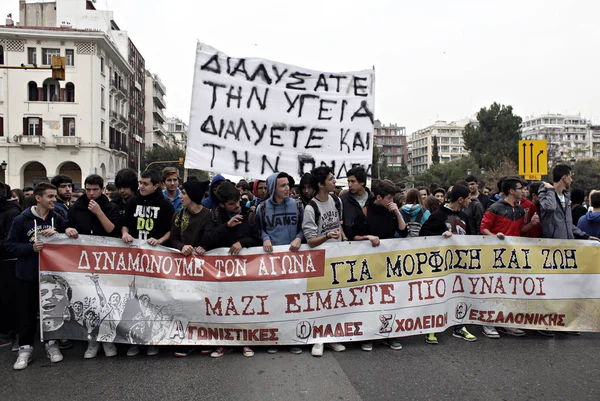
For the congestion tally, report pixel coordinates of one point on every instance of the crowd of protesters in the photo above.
(198, 216)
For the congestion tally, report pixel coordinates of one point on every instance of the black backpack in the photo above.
(338, 206)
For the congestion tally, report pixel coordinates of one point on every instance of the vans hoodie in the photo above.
(282, 222)
(21, 238)
(590, 224)
(212, 202)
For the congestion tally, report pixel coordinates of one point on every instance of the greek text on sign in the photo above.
(252, 117)
(533, 158)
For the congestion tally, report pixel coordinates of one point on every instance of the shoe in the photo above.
(65, 344)
(92, 350)
(152, 350)
(53, 351)
(15, 344)
(133, 350)
(490, 332)
(183, 352)
(247, 352)
(296, 350)
(431, 338)
(24, 358)
(465, 335)
(546, 333)
(219, 352)
(206, 351)
(5, 341)
(317, 350)
(511, 332)
(393, 343)
(367, 346)
(109, 349)
(271, 350)
(337, 347)
(573, 333)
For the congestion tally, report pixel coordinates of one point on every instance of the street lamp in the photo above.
(468, 171)
(4, 164)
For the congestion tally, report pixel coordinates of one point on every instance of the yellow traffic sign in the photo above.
(533, 177)
(533, 158)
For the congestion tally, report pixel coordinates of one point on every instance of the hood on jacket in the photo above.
(305, 180)
(255, 188)
(272, 182)
(412, 210)
(153, 197)
(212, 202)
(6, 205)
(593, 216)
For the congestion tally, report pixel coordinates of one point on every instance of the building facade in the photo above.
(391, 140)
(156, 133)
(137, 112)
(570, 137)
(75, 127)
(177, 132)
(449, 141)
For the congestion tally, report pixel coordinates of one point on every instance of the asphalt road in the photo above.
(527, 368)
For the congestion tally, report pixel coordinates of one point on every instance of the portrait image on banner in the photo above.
(252, 117)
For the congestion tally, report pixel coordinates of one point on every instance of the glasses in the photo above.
(519, 189)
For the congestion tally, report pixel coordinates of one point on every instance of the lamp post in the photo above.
(4, 164)
(379, 147)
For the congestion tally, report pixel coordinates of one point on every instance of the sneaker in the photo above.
(271, 350)
(337, 347)
(367, 346)
(133, 350)
(109, 349)
(317, 350)
(431, 338)
(546, 333)
(15, 344)
(92, 350)
(53, 352)
(183, 352)
(490, 332)
(65, 344)
(247, 352)
(219, 352)
(393, 343)
(24, 358)
(465, 335)
(152, 350)
(511, 332)
(296, 350)
(5, 342)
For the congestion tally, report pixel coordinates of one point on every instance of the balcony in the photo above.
(158, 98)
(118, 120)
(118, 90)
(159, 128)
(119, 147)
(123, 119)
(67, 141)
(31, 140)
(159, 113)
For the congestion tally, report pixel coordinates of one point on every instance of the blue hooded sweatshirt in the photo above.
(21, 238)
(590, 224)
(212, 202)
(282, 222)
(412, 211)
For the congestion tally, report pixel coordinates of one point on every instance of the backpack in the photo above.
(338, 206)
(412, 226)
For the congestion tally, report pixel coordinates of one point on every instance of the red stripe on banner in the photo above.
(175, 266)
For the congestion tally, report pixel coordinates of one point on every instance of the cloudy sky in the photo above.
(434, 60)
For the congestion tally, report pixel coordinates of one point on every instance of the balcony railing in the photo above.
(159, 97)
(31, 140)
(73, 141)
(159, 113)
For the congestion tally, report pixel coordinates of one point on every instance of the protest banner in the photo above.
(96, 287)
(251, 117)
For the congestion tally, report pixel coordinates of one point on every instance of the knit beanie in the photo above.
(196, 190)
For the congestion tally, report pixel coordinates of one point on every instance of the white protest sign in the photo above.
(252, 117)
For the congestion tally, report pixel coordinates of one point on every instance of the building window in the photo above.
(1, 126)
(33, 95)
(102, 98)
(102, 131)
(68, 126)
(70, 92)
(32, 126)
(47, 55)
(70, 57)
(31, 55)
(50, 91)
(102, 65)
(1, 55)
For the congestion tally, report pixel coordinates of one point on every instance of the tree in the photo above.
(494, 137)
(379, 163)
(170, 155)
(446, 174)
(586, 174)
(506, 168)
(435, 151)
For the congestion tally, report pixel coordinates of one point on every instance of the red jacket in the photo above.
(530, 210)
(502, 217)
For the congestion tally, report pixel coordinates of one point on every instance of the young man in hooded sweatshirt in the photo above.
(212, 202)
(147, 218)
(95, 214)
(280, 221)
(126, 182)
(25, 241)
(322, 223)
(64, 187)
(590, 222)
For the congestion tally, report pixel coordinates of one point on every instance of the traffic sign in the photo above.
(533, 177)
(533, 158)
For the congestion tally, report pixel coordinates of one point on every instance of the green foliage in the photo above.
(586, 174)
(435, 151)
(495, 138)
(170, 156)
(447, 174)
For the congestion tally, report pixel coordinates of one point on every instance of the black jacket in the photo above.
(220, 236)
(446, 219)
(85, 222)
(121, 203)
(354, 219)
(379, 222)
(148, 216)
(9, 210)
